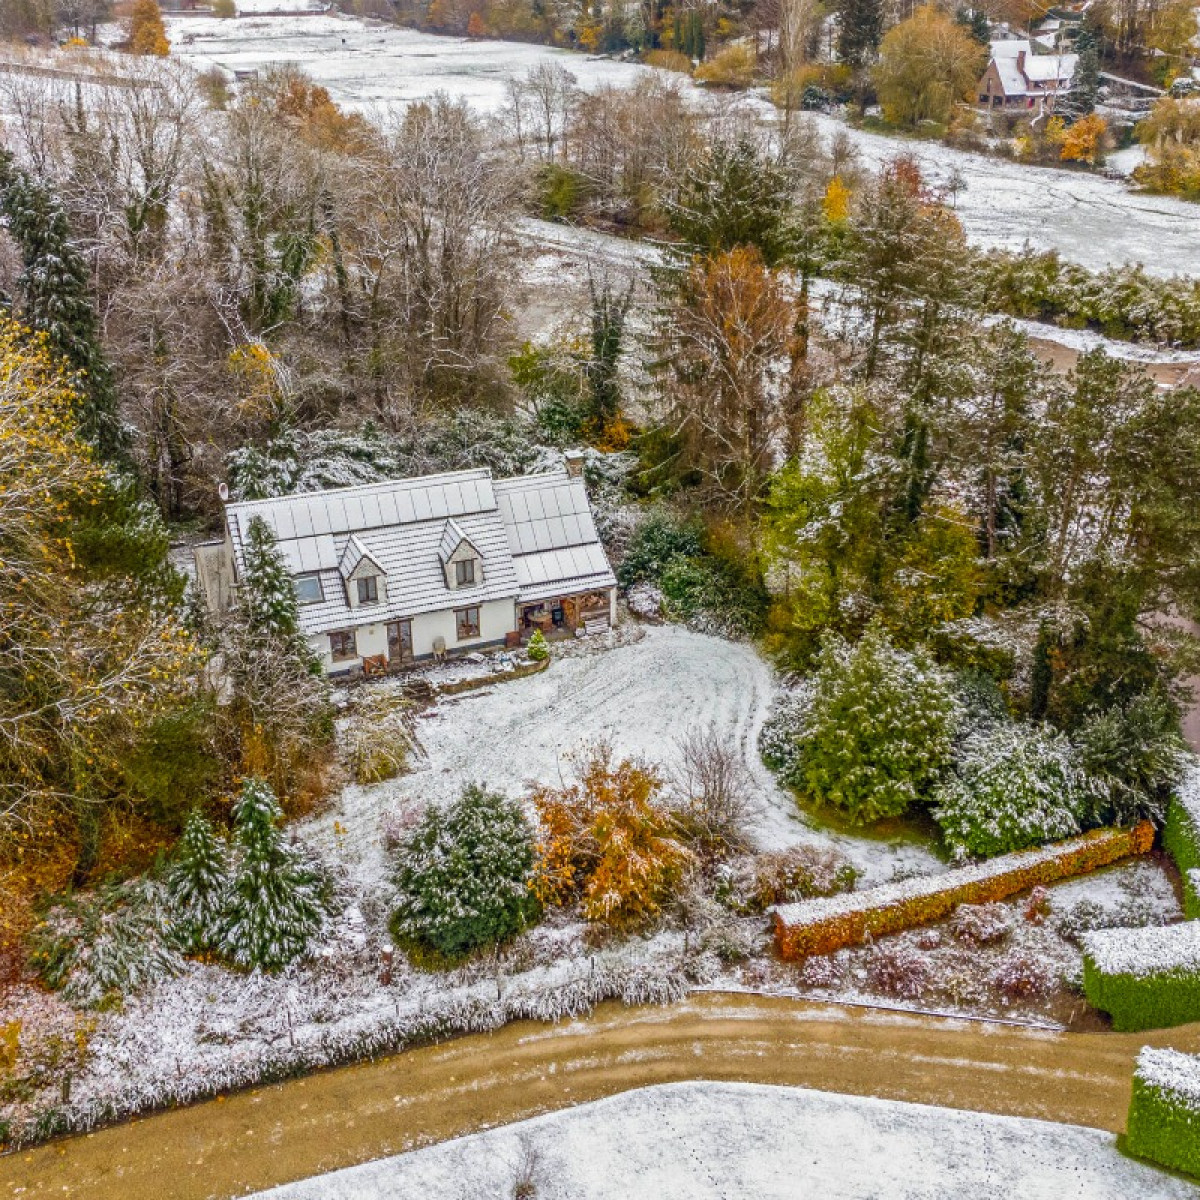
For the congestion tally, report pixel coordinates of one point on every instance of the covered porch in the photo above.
(564, 616)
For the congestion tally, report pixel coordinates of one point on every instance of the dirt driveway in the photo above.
(272, 1135)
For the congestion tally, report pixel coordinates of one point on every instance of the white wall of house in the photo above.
(496, 619)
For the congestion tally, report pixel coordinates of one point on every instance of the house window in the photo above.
(464, 572)
(309, 590)
(468, 622)
(368, 590)
(342, 645)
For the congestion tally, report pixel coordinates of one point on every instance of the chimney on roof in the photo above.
(574, 461)
(1021, 61)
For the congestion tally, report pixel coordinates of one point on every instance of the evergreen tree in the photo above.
(734, 196)
(268, 594)
(608, 325)
(860, 30)
(1085, 86)
(463, 875)
(55, 300)
(198, 884)
(277, 898)
(880, 732)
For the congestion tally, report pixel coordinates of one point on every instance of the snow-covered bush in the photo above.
(821, 971)
(105, 944)
(1134, 754)
(198, 885)
(880, 732)
(1164, 1114)
(661, 537)
(1013, 786)
(537, 650)
(981, 924)
(1022, 977)
(1144, 978)
(779, 738)
(278, 897)
(898, 969)
(378, 737)
(785, 876)
(463, 876)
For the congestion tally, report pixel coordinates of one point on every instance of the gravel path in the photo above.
(272, 1135)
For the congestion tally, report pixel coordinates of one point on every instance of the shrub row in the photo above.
(1164, 1115)
(1181, 839)
(823, 926)
(1144, 978)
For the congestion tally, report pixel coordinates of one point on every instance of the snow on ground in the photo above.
(1088, 219)
(365, 64)
(692, 1141)
(369, 64)
(642, 697)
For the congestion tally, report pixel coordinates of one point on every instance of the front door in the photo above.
(400, 641)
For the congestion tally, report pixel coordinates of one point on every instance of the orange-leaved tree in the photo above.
(606, 841)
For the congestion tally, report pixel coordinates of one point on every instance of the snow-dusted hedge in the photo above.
(541, 995)
(1181, 838)
(1144, 978)
(823, 926)
(1164, 1115)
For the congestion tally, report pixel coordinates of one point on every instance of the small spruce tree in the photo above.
(537, 648)
(198, 885)
(277, 898)
(463, 875)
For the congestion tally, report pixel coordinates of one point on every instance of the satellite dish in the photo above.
(223, 492)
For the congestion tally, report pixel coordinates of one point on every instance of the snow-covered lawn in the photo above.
(692, 1141)
(641, 696)
(370, 64)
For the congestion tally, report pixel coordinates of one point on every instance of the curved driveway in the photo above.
(276, 1134)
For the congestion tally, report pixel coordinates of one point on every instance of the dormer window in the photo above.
(464, 572)
(368, 590)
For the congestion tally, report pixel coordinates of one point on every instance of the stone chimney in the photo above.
(1021, 62)
(574, 461)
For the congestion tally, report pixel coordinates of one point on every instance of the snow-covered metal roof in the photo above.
(535, 535)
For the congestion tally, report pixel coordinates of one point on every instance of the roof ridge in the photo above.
(384, 484)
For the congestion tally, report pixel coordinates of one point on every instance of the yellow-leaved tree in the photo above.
(927, 64)
(92, 661)
(147, 32)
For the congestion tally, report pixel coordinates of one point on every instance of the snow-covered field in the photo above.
(370, 64)
(641, 696)
(693, 1141)
(1088, 219)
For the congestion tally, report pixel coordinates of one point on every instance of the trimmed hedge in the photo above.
(1164, 1115)
(1144, 978)
(1181, 839)
(823, 926)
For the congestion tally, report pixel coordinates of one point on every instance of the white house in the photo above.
(393, 572)
(1016, 77)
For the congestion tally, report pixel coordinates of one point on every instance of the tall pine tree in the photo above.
(54, 299)
(860, 31)
(277, 898)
